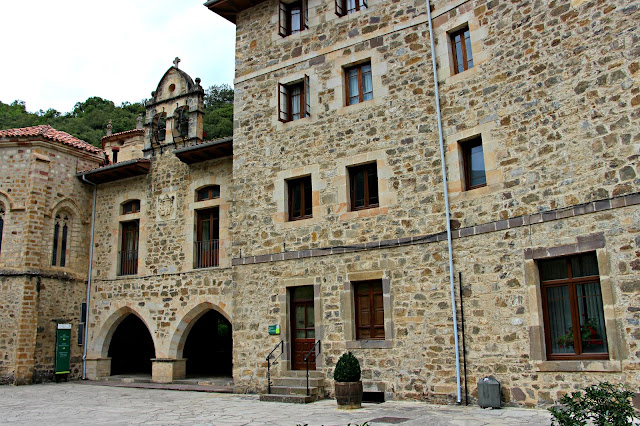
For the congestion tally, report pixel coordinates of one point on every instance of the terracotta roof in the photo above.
(117, 136)
(47, 132)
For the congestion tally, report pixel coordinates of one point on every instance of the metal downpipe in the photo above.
(86, 324)
(446, 203)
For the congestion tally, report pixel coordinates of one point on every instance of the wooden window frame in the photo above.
(341, 7)
(208, 193)
(361, 93)
(132, 206)
(353, 170)
(466, 147)
(284, 17)
(467, 57)
(304, 182)
(366, 288)
(285, 101)
(131, 266)
(571, 282)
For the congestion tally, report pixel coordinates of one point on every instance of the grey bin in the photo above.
(488, 392)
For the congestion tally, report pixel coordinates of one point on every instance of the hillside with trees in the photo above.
(88, 119)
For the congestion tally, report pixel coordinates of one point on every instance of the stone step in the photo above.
(297, 381)
(316, 374)
(292, 399)
(296, 390)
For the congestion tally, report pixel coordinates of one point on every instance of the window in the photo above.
(358, 83)
(369, 310)
(114, 152)
(60, 238)
(132, 206)
(293, 100)
(129, 248)
(300, 198)
(207, 243)
(363, 181)
(208, 193)
(1, 224)
(344, 7)
(572, 308)
(293, 17)
(473, 163)
(461, 47)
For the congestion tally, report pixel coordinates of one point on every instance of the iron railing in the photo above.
(207, 253)
(129, 262)
(275, 361)
(306, 359)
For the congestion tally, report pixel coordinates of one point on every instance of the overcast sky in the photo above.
(57, 53)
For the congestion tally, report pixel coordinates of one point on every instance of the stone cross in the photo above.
(176, 61)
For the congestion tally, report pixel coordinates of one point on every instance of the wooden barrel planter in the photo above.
(348, 395)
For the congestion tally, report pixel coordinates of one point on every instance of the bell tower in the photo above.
(174, 112)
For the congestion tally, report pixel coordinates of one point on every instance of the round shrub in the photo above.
(347, 369)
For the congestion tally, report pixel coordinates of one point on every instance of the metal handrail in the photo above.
(275, 361)
(306, 359)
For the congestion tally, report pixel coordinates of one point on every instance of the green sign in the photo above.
(63, 349)
(274, 329)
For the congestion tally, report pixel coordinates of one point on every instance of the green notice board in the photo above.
(63, 348)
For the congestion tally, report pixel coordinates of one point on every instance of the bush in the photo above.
(604, 404)
(347, 369)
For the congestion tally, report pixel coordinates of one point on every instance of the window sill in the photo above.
(369, 344)
(581, 366)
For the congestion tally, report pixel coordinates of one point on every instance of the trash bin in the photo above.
(488, 392)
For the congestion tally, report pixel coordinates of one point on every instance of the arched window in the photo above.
(60, 239)
(208, 193)
(159, 127)
(132, 206)
(1, 224)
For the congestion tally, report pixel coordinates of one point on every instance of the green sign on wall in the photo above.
(274, 329)
(63, 349)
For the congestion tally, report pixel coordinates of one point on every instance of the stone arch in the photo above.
(69, 205)
(176, 344)
(102, 340)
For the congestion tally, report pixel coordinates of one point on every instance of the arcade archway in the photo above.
(208, 347)
(131, 348)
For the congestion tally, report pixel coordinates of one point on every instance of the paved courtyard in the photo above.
(77, 403)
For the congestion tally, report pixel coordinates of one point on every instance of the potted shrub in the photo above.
(348, 386)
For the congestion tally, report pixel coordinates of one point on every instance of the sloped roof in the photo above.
(47, 132)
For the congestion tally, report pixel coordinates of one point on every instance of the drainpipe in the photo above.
(446, 203)
(86, 324)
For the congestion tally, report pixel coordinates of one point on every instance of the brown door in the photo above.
(303, 333)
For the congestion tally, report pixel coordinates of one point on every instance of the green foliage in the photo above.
(88, 120)
(604, 404)
(347, 369)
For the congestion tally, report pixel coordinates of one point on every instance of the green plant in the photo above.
(347, 369)
(588, 334)
(604, 404)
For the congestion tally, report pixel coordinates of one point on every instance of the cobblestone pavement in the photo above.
(75, 403)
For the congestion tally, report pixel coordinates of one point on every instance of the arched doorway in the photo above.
(208, 348)
(131, 348)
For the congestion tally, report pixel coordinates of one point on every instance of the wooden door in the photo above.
(303, 333)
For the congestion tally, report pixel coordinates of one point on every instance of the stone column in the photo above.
(98, 368)
(27, 332)
(165, 370)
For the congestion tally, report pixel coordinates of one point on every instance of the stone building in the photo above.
(45, 215)
(484, 226)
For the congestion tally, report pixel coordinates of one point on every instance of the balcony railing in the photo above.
(129, 262)
(207, 253)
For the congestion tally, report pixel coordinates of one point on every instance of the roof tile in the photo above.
(52, 134)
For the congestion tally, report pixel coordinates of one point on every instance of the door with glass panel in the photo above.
(207, 238)
(303, 333)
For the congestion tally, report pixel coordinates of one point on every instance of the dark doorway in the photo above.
(208, 346)
(131, 348)
(303, 332)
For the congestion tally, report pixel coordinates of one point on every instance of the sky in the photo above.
(57, 53)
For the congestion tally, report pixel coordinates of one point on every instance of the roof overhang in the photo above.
(229, 9)
(205, 151)
(113, 172)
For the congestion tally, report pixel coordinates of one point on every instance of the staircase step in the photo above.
(294, 390)
(316, 374)
(294, 399)
(297, 381)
